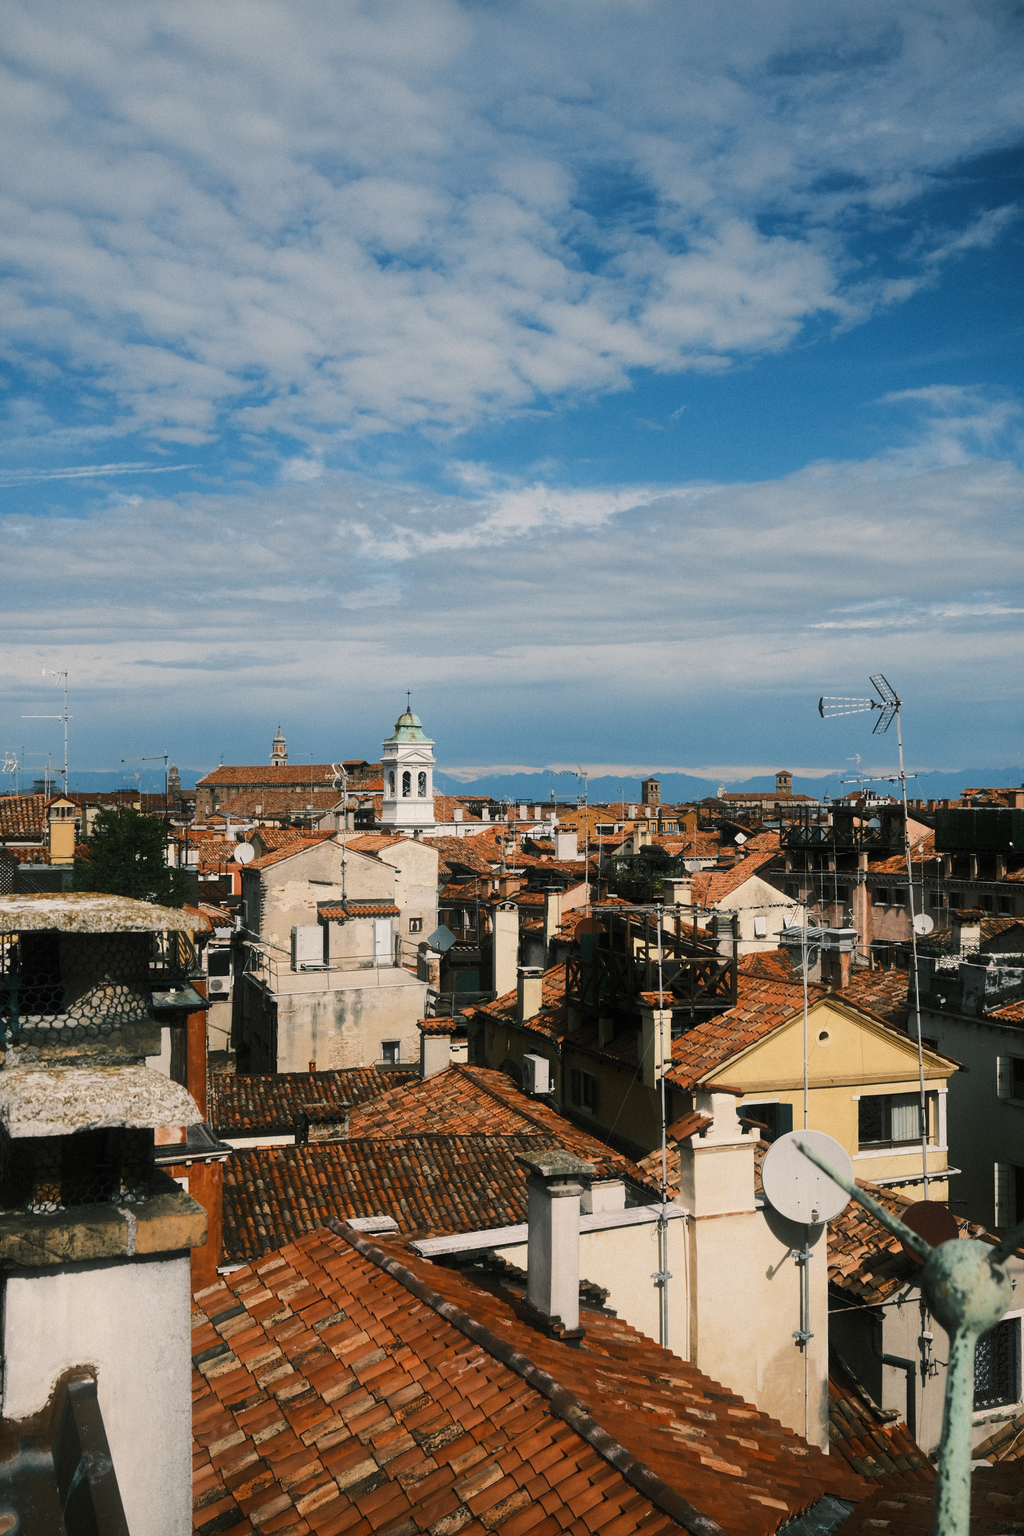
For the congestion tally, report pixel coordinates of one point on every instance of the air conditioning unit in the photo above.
(536, 1074)
(219, 989)
(308, 947)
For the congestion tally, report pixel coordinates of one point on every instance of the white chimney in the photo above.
(505, 947)
(457, 814)
(556, 1181)
(531, 992)
(552, 914)
(656, 1036)
(435, 1046)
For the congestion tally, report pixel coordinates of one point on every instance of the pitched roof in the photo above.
(872, 1442)
(373, 842)
(1005, 1443)
(464, 1101)
(895, 864)
(430, 1184)
(280, 775)
(997, 1507)
(344, 1385)
(710, 886)
(763, 1005)
(270, 1105)
(22, 815)
(867, 1262)
(340, 911)
(883, 993)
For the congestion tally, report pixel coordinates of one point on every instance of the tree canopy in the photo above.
(127, 856)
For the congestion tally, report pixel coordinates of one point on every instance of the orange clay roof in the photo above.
(345, 1385)
(271, 1104)
(883, 993)
(710, 886)
(281, 775)
(430, 1183)
(920, 853)
(868, 1440)
(763, 1006)
(463, 1100)
(997, 1507)
(22, 815)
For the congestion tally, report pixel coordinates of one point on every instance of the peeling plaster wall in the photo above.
(131, 1321)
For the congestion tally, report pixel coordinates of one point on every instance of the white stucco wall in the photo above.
(131, 1321)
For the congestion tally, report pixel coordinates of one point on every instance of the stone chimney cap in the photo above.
(82, 912)
(555, 1163)
(58, 1101)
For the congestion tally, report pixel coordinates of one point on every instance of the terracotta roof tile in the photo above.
(763, 1006)
(272, 1105)
(997, 1507)
(22, 816)
(341, 911)
(873, 1443)
(407, 1398)
(883, 993)
(711, 886)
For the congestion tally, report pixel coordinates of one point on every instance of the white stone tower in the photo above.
(279, 750)
(408, 762)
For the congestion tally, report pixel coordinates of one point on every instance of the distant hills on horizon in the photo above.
(537, 787)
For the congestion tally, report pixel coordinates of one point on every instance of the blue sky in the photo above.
(618, 376)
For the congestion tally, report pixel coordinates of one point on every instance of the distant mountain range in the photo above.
(537, 787)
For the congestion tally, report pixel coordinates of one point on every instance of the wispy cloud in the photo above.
(12, 477)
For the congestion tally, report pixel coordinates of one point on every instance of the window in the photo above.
(218, 962)
(391, 783)
(773, 1120)
(390, 1052)
(406, 784)
(842, 893)
(584, 1090)
(986, 903)
(1009, 1194)
(997, 1365)
(937, 900)
(888, 1119)
(421, 788)
(881, 897)
(415, 925)
(1007, 906)
(1010, 1077)
(956, 899)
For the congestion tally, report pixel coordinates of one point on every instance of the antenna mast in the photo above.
(889, 703)
(59, 677)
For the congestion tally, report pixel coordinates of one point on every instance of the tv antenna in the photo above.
(155, 757)
(59, 677)
(889, 705)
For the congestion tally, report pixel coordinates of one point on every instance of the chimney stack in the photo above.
(531, 992)
(435, 1045)
(504, 945)
(556, 1181)
(552, 914)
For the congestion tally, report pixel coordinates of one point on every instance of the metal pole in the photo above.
(923, 1109)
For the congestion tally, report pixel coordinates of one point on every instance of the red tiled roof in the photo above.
(464, 1101)
(769, 964)
(22, 816)
(762, 1007)
(710, 886)
(920, 853)
(1006, 1443)
(281, 775)
(341, 912)
(873, 1443)
(883, 993)
(344, 1385)
(997, 1507)
(429, 1183)
(271, 1105)
(867, 1262)
(373, 842)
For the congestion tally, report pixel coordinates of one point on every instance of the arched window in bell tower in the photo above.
(406, 784)
(391, 783)
(422, 788)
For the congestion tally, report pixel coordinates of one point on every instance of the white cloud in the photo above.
(348, 220)
(541, 620)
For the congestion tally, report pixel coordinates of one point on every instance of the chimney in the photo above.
(655, 1036)
(966, 930)
(435, 1045)
(677, 890)
(458, 813)
(312, 1066)
(531, 992)
(522, 813)
(552, 914)
(504, 947)
(556, 1180)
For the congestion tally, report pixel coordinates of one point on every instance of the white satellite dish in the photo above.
(796, 1187)
(740, 838)
(244, 853)
(923, 924)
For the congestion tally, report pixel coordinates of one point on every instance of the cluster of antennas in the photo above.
(887, 701)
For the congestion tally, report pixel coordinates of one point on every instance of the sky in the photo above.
(617, 376)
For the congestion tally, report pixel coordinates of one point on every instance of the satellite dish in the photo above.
(932, 1221)
(740, 837)
(796, 1187)
(244, 853)
(442, 938)
(923, 924)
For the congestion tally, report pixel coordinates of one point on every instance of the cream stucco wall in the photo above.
(130, 1320)
(856, 1057)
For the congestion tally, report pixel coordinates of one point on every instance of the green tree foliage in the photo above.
(640, 877)
(127, 857)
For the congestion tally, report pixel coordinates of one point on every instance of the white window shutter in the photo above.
(1004, 1077)
(1002, 1192)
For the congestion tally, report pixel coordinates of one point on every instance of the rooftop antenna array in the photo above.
(889, 704)
(59, 677)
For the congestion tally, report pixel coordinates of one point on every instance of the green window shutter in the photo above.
(785, 1118)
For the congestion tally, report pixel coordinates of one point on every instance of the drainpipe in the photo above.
(901, 1364)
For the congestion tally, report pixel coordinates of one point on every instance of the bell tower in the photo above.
(278, 751)
(408, 762)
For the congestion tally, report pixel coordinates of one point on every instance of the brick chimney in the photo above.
(556, 1181)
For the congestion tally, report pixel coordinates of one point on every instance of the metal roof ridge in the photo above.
(564, 1404)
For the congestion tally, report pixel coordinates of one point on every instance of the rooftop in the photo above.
(272, 1104)
(344, 1385)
